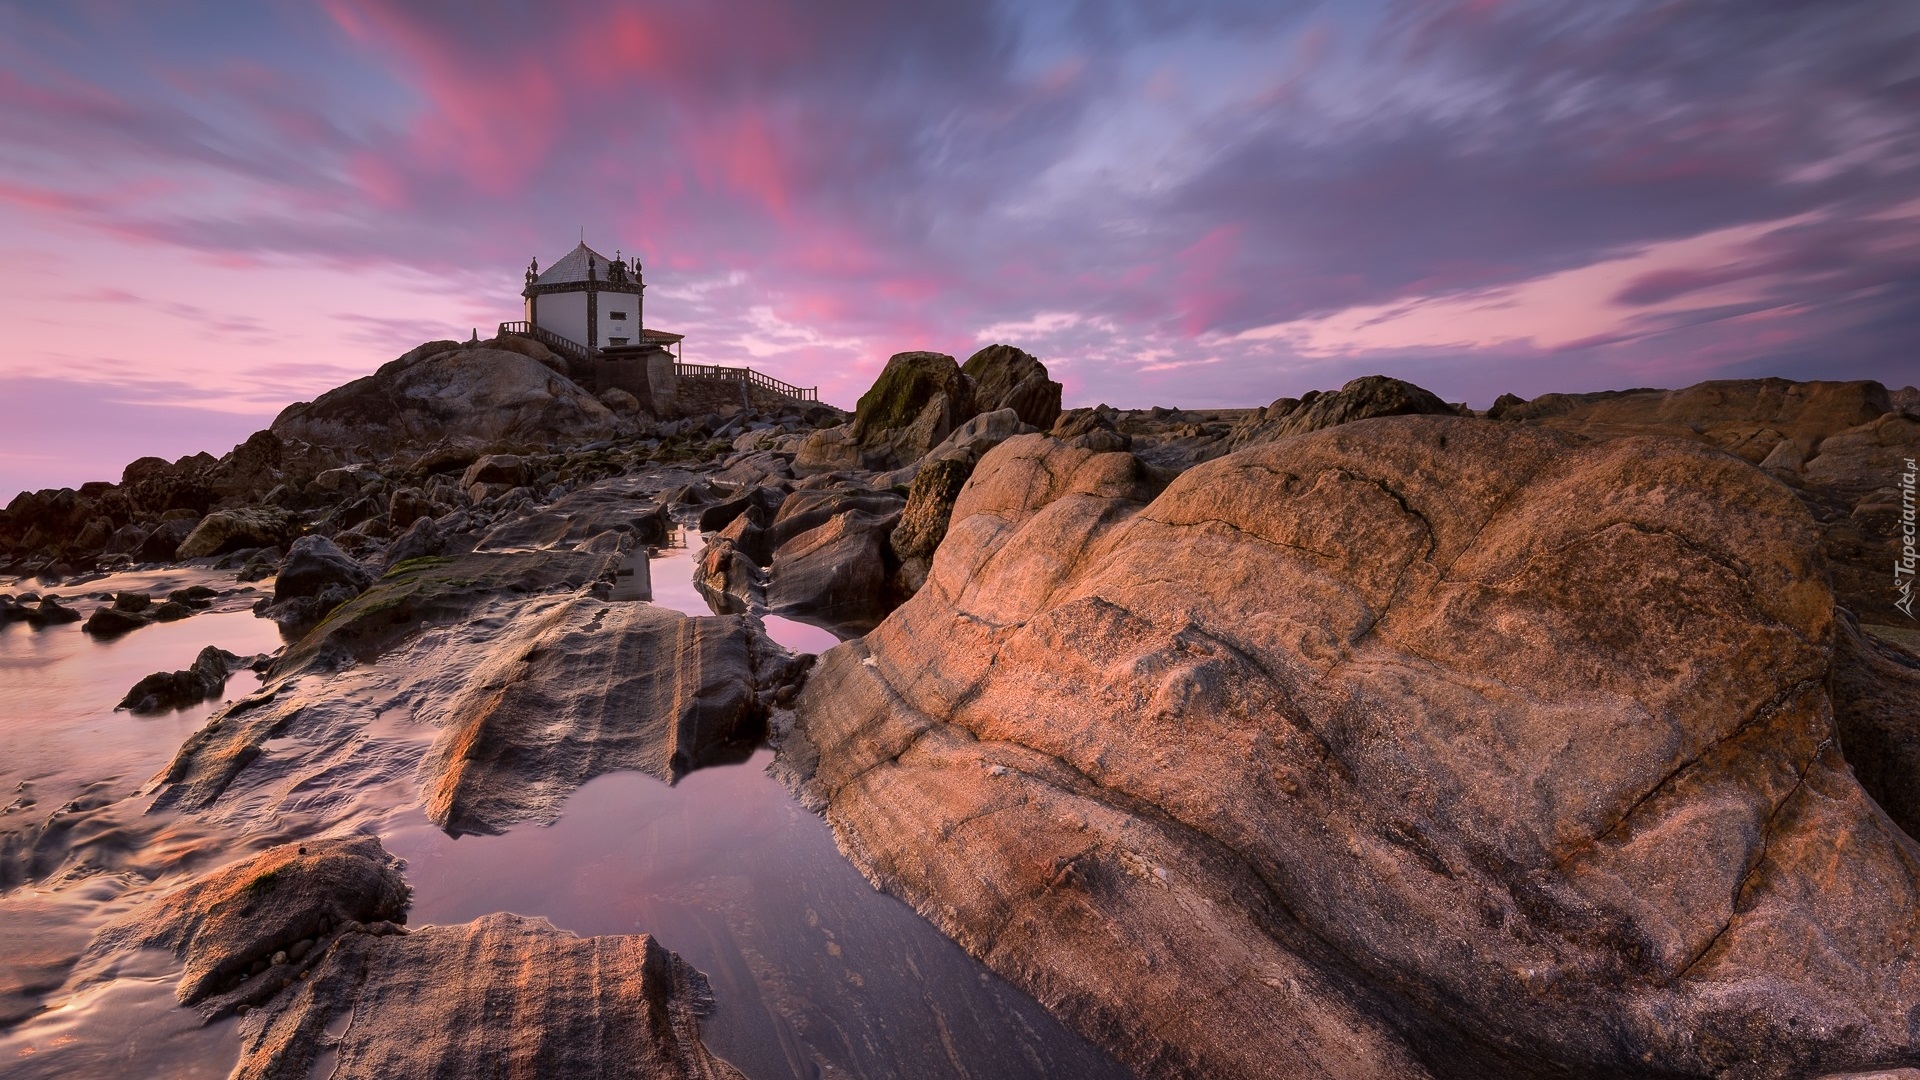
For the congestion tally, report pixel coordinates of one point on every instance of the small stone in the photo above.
(280, 957)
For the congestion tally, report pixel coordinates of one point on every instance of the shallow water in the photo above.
(58, 687)
(815, 973)
(60, 742)
(672, 569)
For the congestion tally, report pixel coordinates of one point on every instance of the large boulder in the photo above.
(1359, 399)
(477, 395)
(1413, 747)
(315, 578)
(970, 441)
(315, 563)
(841, 571)
(163, 543)
(1007, 378)
(231, 530)
(918, 399)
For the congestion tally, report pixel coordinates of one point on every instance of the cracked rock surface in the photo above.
(1418, 746)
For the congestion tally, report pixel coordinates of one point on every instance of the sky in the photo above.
(210, 210)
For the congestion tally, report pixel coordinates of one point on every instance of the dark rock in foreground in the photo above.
(315, 578)
(206, 678)
(1412, 747)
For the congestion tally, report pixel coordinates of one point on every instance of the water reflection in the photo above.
(816, 974)
(672, 569)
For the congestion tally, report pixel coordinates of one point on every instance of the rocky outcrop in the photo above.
(302, 939)
(500, 996)
(1747, 417)
(1007, 378)
(576, 519)
(1411, 747)
(918, 399)
(437, 392)
(1360, 399)
(590, 687)
(205, 678)
(437, 590)
(231, 530)
(1835, 444)
(247, 930)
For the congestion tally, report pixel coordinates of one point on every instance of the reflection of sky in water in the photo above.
(58, 687)
(673, 588)
(811, 967)
(815, 973)
(59, 738)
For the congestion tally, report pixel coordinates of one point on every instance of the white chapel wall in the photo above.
(610, 327)
(565, 314)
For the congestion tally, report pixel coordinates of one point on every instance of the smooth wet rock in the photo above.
(226, 922)
(808, 509)
(839, 573)
(587, 688)
(132, 601)
(49, 611)
(577, 517)
(434, 590)
(502, 996)
(1411, 747)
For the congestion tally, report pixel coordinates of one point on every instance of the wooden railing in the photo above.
(748, 376)
(551, 340)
